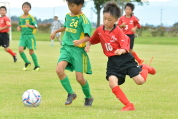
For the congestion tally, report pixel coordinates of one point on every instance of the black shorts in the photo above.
(122, 65)
(131, 36)
(4, 40)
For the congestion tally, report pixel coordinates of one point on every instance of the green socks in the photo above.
(35, 60)
(86, 90)
(66, 84)
(23, 56)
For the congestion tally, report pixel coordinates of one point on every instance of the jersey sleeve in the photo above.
(94, 39)
(33, 21)
(123, 40)
(87, 28)
(119, 21)
(65, 22)
(7, 21)
(136, 23)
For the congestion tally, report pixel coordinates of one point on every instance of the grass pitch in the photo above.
(156, 99)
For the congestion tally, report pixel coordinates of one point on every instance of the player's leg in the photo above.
(140, 77)
(12, 53)
(23, 56)
(113, 83)
(140, 61)
(65, 81)
(5, 41)
(85, 88)
(58, 38)
(52, 40)
(35, 60)
(31, 44)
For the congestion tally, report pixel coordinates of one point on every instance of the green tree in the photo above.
(99, 4)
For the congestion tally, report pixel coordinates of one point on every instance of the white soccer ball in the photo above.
(31, 98)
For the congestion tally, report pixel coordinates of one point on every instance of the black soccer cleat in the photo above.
(70, 98)
(36, 68)
(88, 102)
(27, 65)
(15, 58)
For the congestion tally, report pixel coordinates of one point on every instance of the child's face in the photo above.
(3, 12)
(109, 20)
(128, 10)
(55, 18)
(26, 8)
(74, 8)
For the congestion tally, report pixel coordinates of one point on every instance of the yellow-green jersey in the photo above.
(76, 27)
(30, 20)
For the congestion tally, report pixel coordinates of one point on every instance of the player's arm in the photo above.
(19, 27)
(52, 36)
(124, 43)
(84, 40)
(5, 27)
(8, 24)
(93, 40)
(121, 24)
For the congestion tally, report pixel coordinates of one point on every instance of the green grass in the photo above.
(156, 99)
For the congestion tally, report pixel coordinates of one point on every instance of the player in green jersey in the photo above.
(27, 26)
(77, 29)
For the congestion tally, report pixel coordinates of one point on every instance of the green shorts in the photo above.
(28, 41)
(77, 59)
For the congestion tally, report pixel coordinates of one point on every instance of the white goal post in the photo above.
(7, 5)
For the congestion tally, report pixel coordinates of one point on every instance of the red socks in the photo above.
(144, 72)
(120, 95)
(136, 56)
(11, 52)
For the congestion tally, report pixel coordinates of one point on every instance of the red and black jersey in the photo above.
(130, 23)
(110, 40)
(4, 21)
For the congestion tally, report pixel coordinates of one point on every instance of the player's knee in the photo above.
(140, 82)
(6, 49)
(59, 71)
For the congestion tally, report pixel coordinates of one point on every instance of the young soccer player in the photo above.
(116, 47)
(27, 26)
(129, 23)
(4, 29)
(55, 26)
(73, 57)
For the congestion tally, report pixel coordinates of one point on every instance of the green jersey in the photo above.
(76, 28)
(30, 20)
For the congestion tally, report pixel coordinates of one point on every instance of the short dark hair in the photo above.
(26, 3)
(112, 8)
(130, 5)
(3, 7)
(78, 2)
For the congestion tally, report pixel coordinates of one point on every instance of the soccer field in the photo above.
(156, 99)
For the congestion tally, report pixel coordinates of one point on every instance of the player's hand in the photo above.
(123, 25)
(18, 28)
(52, 36)
(27, 24)
(77, 42)
(87, 48)
(119, 51)
(133, 30)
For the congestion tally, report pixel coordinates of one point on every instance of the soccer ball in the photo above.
(31, 98)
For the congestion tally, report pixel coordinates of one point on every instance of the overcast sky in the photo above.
(46, 3)
(156, 12)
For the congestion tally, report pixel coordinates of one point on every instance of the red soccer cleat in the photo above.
(129, 107)
(151, 70)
